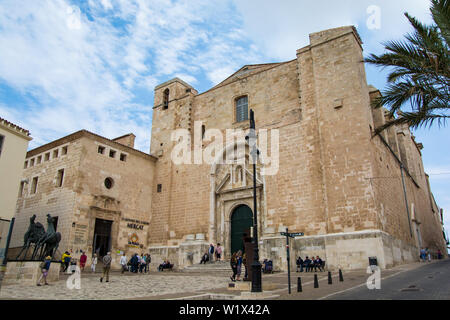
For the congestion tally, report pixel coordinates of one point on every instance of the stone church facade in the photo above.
(354, 196)
(336, 183)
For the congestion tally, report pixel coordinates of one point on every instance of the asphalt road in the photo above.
(428, 282)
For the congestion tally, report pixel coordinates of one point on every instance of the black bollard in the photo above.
(316, 281)
(341, 278)
(330, 281)
(299, 284)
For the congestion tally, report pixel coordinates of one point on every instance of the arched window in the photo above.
(242, 109)
(166, 99)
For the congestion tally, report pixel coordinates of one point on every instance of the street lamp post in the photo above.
(254, 152)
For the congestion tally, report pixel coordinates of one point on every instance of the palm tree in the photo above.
(419, 72)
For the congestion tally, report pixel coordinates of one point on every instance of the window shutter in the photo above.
(242, 109)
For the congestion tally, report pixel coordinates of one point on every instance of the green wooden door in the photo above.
(241, 221)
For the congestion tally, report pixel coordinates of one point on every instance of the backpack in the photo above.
(42, 265)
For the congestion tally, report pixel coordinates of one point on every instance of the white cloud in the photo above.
(281, 28)
(106, 4)
(82, 73)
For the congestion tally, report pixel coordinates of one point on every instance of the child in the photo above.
(45, 267)
(94, 262)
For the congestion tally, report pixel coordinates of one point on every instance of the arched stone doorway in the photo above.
(231, 187)
(241, 222)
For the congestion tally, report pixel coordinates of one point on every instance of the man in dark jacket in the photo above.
(205, 258)
(307, 264)
(299, 264)
(318, 264)
(134, 263)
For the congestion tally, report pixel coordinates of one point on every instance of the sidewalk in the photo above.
(352, 279)
(193, 285)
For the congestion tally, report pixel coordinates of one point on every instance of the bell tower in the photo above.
(172, 110)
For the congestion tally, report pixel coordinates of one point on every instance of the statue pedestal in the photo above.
(28, 272)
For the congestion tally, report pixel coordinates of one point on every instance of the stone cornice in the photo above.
(15, 129)
(90, 135)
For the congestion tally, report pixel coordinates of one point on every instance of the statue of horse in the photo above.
(34, 233)
(49, 242)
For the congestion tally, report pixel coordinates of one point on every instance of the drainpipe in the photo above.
(406, 199)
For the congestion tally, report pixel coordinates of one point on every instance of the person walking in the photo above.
(106, 267)
(123, 262)
(423, 254)
(239, 265)
(147, 262)
(83, 260)
(233, 264)
(45, 267)
(94, 262)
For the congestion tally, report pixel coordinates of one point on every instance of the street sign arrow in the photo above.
(292, 235)
(298, 234)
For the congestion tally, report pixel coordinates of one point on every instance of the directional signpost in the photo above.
(290, 235)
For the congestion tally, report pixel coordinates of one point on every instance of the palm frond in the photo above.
(419, 72)
(440, 11)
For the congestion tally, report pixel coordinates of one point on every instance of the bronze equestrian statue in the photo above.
(34, 233)
(48, 243)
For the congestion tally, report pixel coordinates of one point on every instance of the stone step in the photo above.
(209, 267)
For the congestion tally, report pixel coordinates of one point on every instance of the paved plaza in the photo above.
(170, 285)
(126, 286)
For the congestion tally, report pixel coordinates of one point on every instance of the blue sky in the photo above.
(67, 65)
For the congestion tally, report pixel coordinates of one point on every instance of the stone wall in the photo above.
(336, 183)
(28, 273)
(84, 196)
(49, 198)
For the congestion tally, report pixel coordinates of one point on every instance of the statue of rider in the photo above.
(50, 229)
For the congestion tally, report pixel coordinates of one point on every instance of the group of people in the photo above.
(425, 255)
(67, 260)
(165, 265)
(310, 264)
(137, 263)
(238, 259)
(214, 253)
